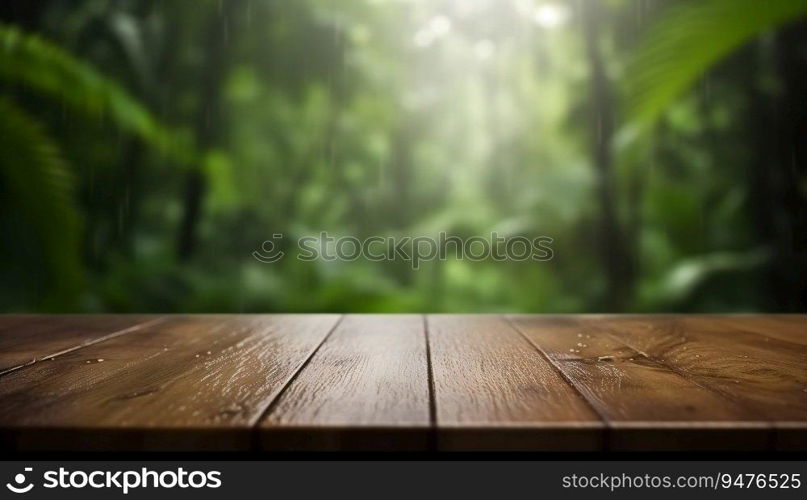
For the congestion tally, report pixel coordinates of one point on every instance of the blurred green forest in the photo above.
(149, 147)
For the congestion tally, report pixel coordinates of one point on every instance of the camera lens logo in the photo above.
(19, 479)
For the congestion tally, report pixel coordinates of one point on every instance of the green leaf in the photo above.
(38, 185)
(690, 38)
(50, 70)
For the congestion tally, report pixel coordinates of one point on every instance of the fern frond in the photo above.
(39, 187)
(41, 65)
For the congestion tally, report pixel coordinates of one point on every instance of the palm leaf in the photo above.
(50, 70)
(687, 40)
(38, 185)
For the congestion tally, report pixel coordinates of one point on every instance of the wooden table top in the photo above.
(403, 382)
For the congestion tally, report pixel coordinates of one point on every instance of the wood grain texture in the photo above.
(647, 405)
(452, 382)
(366, 388)
(493, 390)
(26, 339)
(784, 327)
(186, 383)
(765, 375)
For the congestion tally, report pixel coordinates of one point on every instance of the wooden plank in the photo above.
(26, 339)
(8, 321)
(199, 382)
(205, 382)
(784, 327)
(366, 388)
(764, 374)
(493, 390)
(647, 405)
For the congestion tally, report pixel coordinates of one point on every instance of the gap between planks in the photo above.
(608, 425)
(432, 438)
(433, 424)
(433, 428)
(255, 431)
(614, 426)
(87, 343)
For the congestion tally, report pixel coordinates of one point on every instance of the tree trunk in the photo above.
(614, 250)
(208, 120)
(788, 172)
(777, 128)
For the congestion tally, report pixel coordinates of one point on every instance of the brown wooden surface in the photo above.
(645, 405)
(767, 376)
(493, 390)
(786, 327)
(366, 388)
(187, 382)
(449, 382)
(26, 339)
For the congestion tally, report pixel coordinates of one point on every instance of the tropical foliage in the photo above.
(147, 149)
